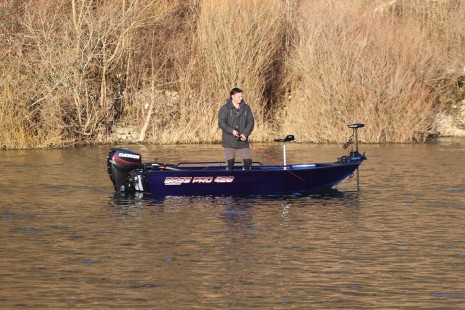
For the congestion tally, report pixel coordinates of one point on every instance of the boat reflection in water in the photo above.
(129, 175)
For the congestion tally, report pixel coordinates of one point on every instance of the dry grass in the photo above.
(236, 43)
(381, 70)
(73, 72)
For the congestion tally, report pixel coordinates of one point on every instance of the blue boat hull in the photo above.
(262, 180)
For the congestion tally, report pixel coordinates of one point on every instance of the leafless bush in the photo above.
(235, 44)
(74, 71)
(73, 61)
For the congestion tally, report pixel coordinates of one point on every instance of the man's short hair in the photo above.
(235, 90)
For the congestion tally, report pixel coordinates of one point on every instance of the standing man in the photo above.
(236, 120)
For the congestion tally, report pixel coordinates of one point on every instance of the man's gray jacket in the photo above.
(230, 118)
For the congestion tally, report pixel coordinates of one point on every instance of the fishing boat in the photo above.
(130, 175)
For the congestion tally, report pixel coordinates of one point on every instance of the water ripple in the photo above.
(68, 241)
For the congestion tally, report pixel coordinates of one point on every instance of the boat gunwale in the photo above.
(263, 168)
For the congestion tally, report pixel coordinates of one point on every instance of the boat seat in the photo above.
(286, 139)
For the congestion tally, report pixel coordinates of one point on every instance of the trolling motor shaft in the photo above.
(355, 127)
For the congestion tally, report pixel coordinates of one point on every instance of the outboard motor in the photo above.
(120, 162)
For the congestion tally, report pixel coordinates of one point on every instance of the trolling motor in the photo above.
(354, 155)
(288, 138)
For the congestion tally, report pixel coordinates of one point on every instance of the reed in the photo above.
(236, 44)
(77, 72)
(352, 64)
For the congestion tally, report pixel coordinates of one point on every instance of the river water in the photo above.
(68, 241)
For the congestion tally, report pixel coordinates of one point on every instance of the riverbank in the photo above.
(84, 72)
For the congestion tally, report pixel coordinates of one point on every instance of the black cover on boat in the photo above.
(120, 162)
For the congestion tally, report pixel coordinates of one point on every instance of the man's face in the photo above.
(236, 98)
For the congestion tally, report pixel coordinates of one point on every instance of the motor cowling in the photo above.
(120, 162)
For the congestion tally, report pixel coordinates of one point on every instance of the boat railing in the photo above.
(208, 164)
